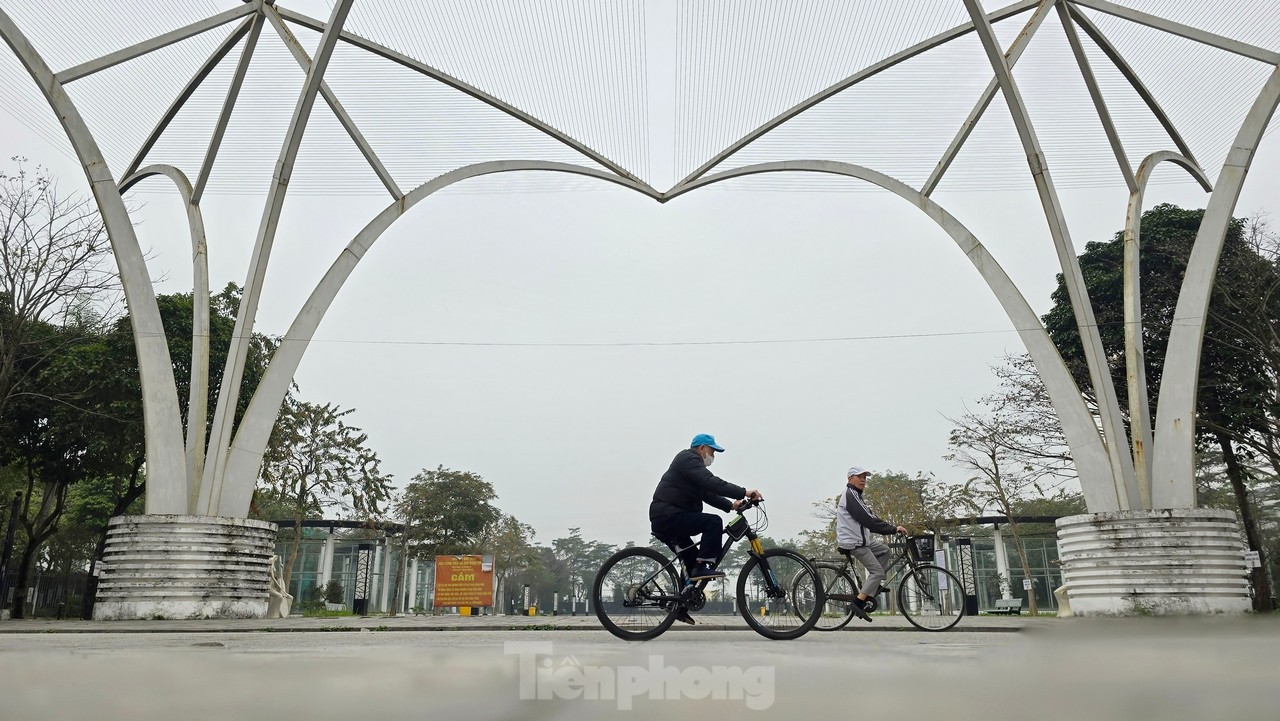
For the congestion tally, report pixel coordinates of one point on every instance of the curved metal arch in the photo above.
(234, 487)
(161, 420)
(1173, 468)
(1135, 364)
(198, 395)
(250, 441)
(1078, 425)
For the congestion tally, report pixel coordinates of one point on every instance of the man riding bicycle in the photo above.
(855, 521)
(676, 511)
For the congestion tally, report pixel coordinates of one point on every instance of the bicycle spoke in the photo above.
(636, 593)
(781, 597)
(840, 593)
(931, 598)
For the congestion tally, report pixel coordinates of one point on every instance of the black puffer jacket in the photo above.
(687, 484)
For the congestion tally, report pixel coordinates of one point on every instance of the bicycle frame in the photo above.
(902, 558)
(773, 589)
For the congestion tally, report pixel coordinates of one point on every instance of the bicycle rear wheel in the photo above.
(780, 595)
(931, 598)
(635, 594)
(840, 591)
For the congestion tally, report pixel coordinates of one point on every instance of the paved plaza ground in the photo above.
(395, 669)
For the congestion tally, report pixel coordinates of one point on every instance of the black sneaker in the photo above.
(705, 572)
(684, 617)
(859, 609)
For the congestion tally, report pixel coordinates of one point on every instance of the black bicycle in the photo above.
(929, 596)
(639, 592)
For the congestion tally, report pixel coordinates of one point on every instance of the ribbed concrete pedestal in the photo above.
(184, 567)
(1137, 563)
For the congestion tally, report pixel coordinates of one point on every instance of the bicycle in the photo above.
(929, 596)
(638, 592)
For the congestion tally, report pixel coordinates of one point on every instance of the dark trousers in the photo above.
(678, 527)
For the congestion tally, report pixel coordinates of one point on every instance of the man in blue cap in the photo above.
(676, 511)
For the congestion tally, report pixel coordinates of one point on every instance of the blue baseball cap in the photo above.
(706, 439)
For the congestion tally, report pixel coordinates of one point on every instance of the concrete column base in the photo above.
(1163, 562)
(184, 567)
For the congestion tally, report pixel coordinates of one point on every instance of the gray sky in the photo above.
(577, 436)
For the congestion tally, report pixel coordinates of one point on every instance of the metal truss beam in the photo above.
(229, 392)
(478, 94)
(304, 61)
(146, 46)
(1122, 471)
(185, 94)
(228, 105)
(1131, 75)
(1095, 94)
(1186, 31)
(1015, 51)
(869, 71)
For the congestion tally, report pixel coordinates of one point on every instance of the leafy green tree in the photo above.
(921, 502)
(317, 461)
(511, 544)
(581, 559)
(446, 511)
(1237, 397)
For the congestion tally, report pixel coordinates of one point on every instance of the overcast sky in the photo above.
(578, 436)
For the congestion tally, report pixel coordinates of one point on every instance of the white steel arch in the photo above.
(1113, 470)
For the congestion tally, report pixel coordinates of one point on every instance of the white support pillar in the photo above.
(413, 584)
(387, 573)
(1002, 566)
(373, 568)
(326, 560)
(402, 588)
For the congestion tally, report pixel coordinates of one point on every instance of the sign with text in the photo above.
(1026, 584)
(1252, 559)
(464, 581)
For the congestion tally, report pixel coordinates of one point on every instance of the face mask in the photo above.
(708, 460)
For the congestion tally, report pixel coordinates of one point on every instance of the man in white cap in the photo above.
(855, 522)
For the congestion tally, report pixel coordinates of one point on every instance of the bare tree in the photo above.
(55, 266)
(1013, 450)
(317, 461)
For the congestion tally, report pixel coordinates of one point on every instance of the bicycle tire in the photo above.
(791, 574)
(618, 626)
(835, 580)
(924, 601)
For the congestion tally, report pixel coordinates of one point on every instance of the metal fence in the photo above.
(50, 595)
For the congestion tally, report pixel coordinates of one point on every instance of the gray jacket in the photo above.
(855, 520)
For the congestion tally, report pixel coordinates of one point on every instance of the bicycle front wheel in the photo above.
(636, 593)
(780, 594)
(931, 598)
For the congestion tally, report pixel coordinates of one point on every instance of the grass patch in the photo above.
(326, 613)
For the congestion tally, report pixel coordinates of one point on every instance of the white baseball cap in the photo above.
(857, 471)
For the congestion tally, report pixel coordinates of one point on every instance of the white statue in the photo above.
(281, 601)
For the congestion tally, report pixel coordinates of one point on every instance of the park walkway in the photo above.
(461, 623)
